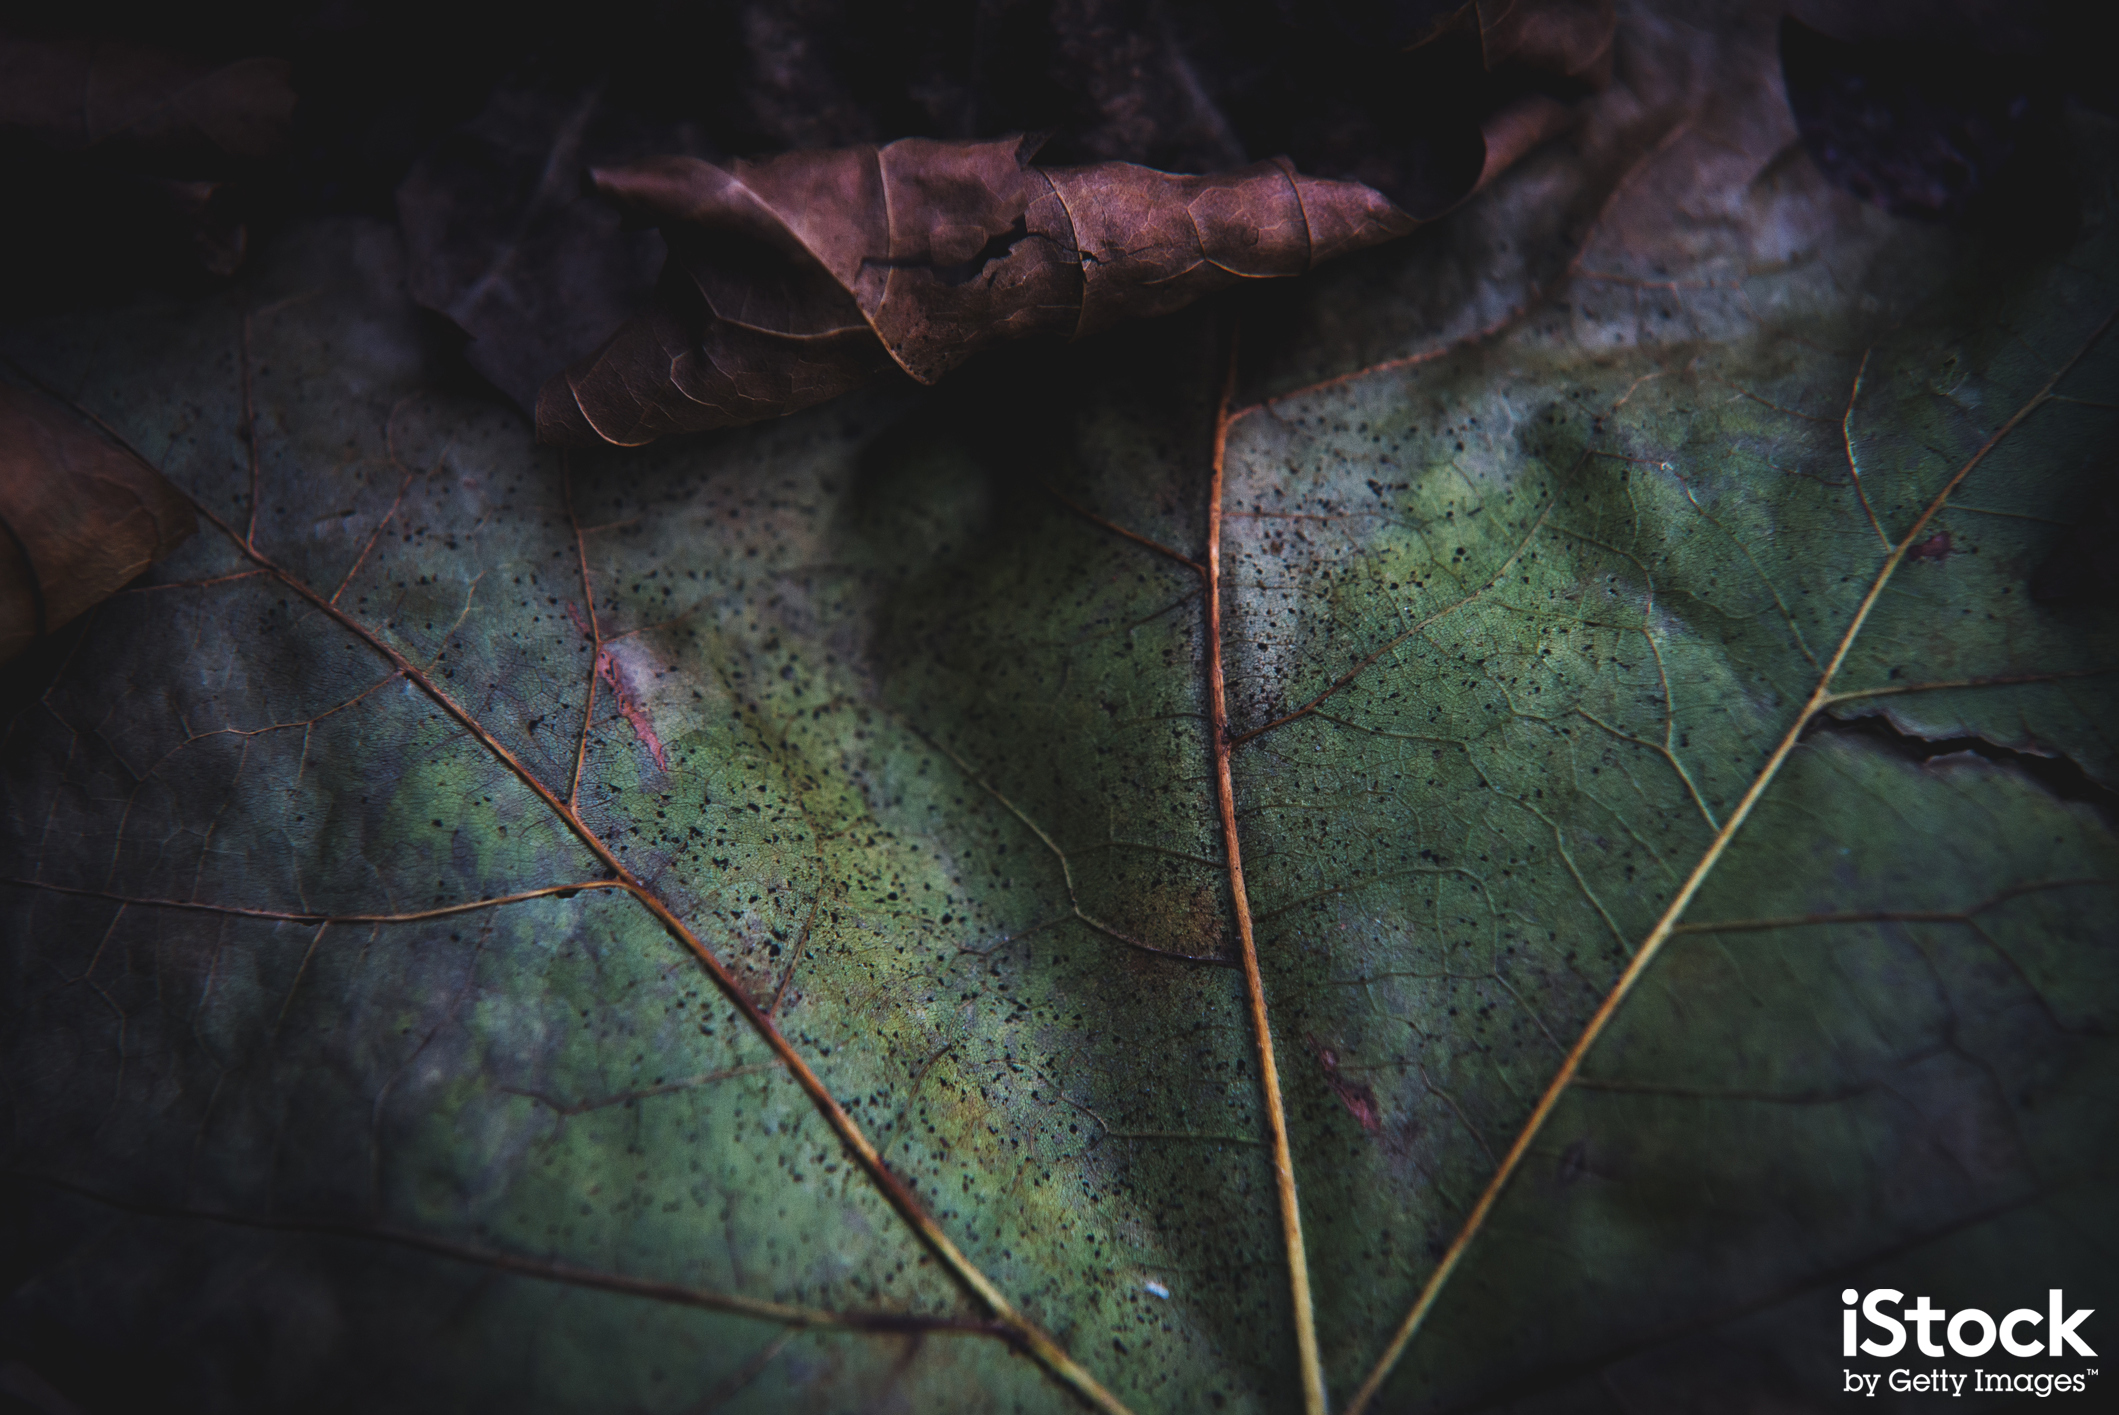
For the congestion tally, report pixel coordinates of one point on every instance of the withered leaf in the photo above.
(797, 278)
(1422, 104)
(80, 516)
(355, 887)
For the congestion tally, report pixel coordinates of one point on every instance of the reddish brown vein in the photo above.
(1991, 680)
(1074, 903)
(1120, 531)
(900, 1196)
(206, 583)
(1767, 402)
(654, 1289)
(689, 1083)
(250, 431)
(404, 484)
(794, 959)
(729, 1387)
(305, 723)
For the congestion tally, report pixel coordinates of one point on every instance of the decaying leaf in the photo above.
(506, 242)
(81, 518)
(795, 279)
(456, 927)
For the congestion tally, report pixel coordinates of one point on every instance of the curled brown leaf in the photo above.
(797, 278)
(79, 517)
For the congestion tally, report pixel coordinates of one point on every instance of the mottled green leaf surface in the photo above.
(1534, 553)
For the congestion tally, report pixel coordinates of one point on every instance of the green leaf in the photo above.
(356, 1055)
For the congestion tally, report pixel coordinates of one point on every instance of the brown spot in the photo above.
(1935, 547)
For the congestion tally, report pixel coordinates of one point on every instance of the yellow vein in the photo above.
(1846, 435)
(588, 595)
(1992, 680)
(1819, 699)
(1220, 743)
(1893, 916)
(320, 916)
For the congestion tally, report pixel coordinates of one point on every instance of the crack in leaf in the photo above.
(1820, 698)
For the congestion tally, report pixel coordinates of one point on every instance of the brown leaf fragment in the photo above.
(1569, 38)
(794, 279)
(78, 518)
(507, 241)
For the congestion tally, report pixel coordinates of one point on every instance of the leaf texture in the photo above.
(342, 1020)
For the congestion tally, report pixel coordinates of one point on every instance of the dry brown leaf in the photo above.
(799, 277)
(795, 279)
(80, 517)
